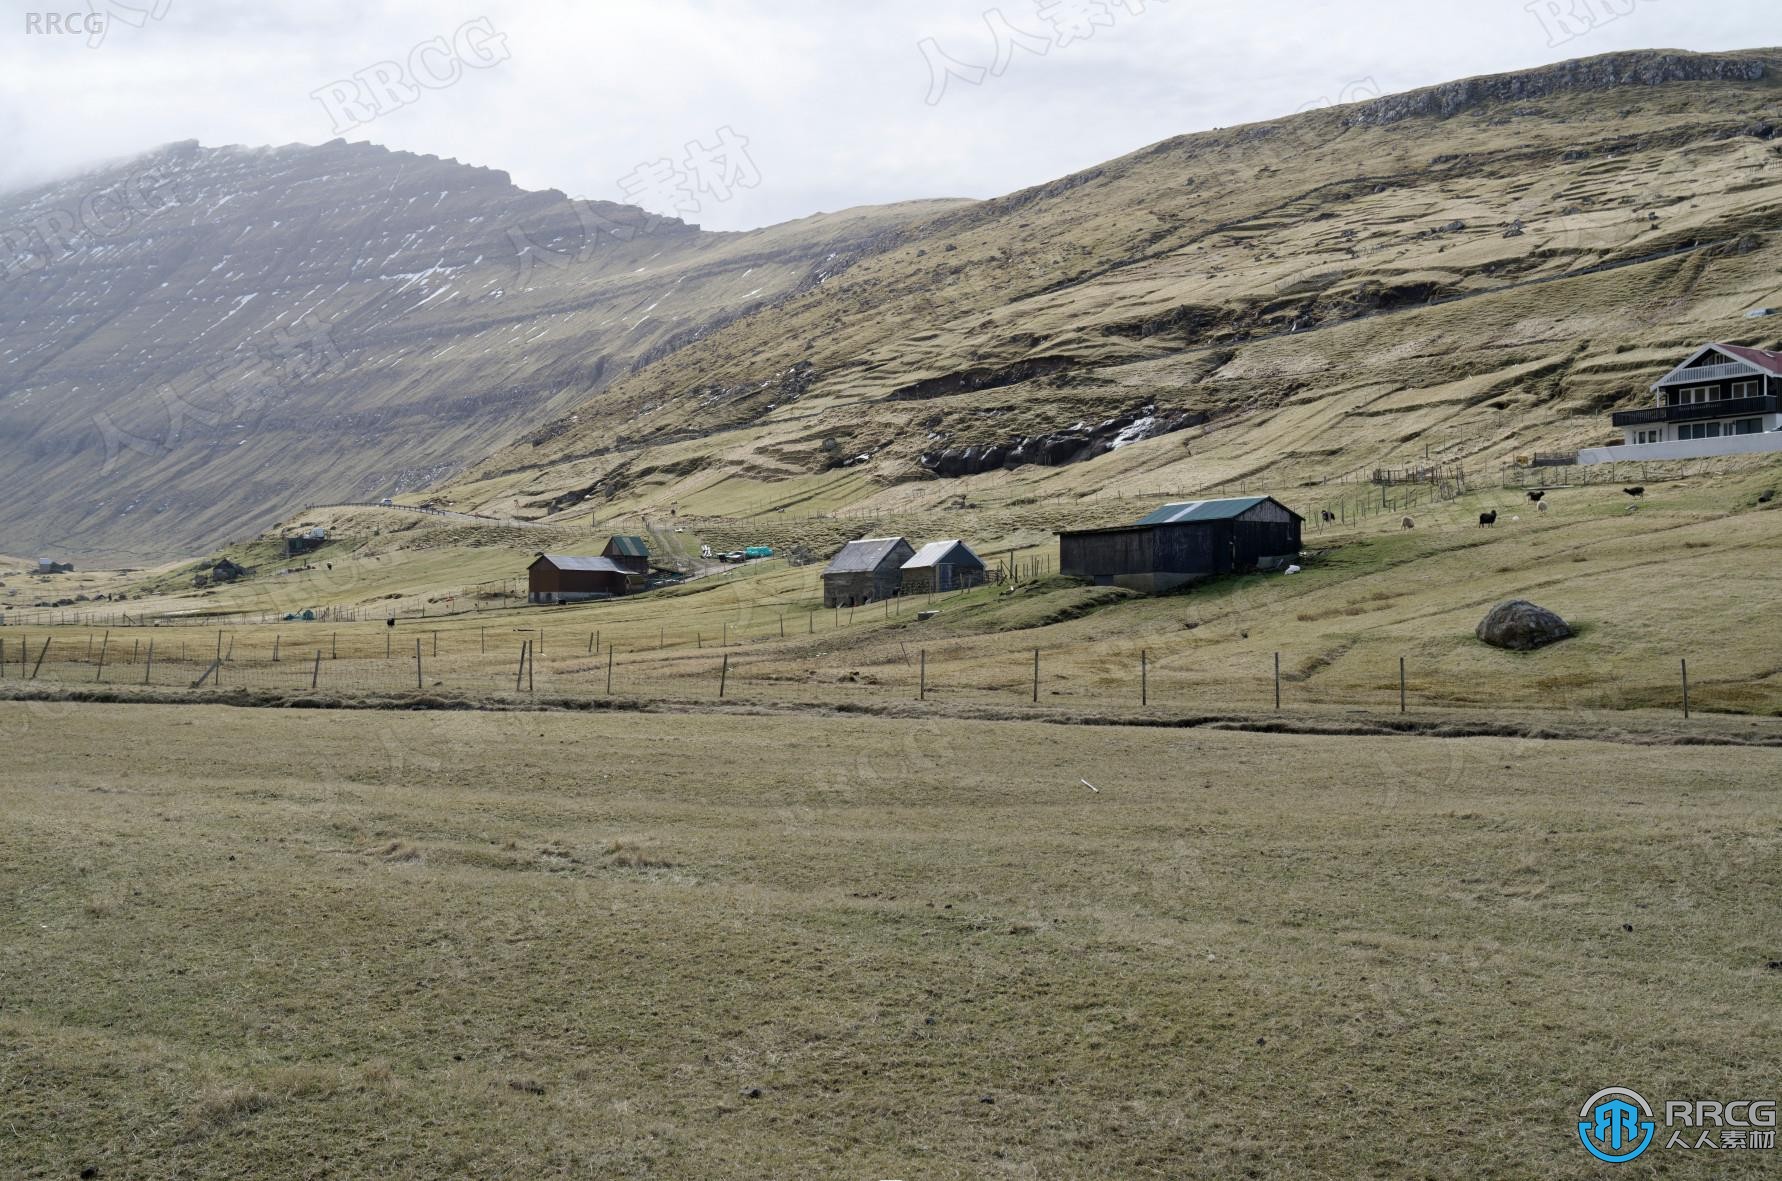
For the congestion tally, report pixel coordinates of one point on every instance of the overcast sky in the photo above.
(826, 105)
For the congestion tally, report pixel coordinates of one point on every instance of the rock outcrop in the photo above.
(1590, 73)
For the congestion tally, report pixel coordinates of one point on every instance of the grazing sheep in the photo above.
(1515, 518)
(1489, 518)
(1537, 494)
(1407, 523)
(1541, 507)
(1637, 490)
(1328, 516)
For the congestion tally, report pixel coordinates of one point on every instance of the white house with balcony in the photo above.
(1724, 399)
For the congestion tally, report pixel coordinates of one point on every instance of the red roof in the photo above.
(1765, 359)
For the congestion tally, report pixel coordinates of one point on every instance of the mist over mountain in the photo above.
(194, 341)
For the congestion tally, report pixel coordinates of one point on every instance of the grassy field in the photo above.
(1680, 575)
(326, 944)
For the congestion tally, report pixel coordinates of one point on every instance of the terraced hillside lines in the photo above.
(342, 322)
(1232, 273)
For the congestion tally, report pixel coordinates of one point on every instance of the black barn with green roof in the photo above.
(1182, 542)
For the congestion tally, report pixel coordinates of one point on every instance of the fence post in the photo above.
(100, 675)
(315, 674)
(922, 685)
(1036, 676)
(334, 646)
(782, 625)
(520, 670)
(1401, 684)
(1277, 680)
(275, 640)
(482, 637)
(723, 674)
(436, 643)
(609, 672)
(1144, 677)
(417, 662)
(40, 655)
(590, 643)
(150, 666)
(1685, 666)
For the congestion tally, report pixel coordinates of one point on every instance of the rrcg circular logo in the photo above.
(1610, 1125)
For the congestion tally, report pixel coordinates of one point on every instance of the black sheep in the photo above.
(1489, 518)
(1637, 490)
(1536, 495)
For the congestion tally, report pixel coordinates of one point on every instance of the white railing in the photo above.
(1707, 373)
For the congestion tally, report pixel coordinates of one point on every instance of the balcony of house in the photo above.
(1700, 373)
(1696, 411)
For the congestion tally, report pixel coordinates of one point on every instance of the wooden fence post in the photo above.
(417, 662)
(723, 674)
(40, 655)
(922, 689)
(1036, 676)
(1144, 677)
(1401, 684)
(609, 671)
(1277, 680)
(520, 669)
(315, 674)
(103, 644)
(275, 639)
(150, 666)
(1685, 666)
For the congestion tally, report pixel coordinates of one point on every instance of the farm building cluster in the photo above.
(875, 568)
(1172, 546)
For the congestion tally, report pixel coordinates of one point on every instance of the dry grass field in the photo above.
(250, 942)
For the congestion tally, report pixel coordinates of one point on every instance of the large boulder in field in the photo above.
(1519, 625)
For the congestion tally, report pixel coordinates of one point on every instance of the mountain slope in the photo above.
(1462, 272)
(194, 341)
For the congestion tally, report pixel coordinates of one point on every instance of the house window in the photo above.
(1714, 430)
(1746, 389)
(1652, 436)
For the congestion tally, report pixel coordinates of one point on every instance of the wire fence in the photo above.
(823, 657)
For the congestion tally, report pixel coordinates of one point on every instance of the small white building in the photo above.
(1724, 399)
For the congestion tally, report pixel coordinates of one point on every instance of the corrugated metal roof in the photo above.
(1765, 359)
(575, 562)
(935, 552)
(869, 553)
(629, 545)
(1201, 510)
